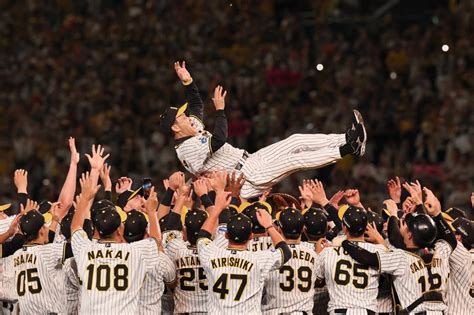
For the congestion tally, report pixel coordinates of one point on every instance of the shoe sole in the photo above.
(357, 117)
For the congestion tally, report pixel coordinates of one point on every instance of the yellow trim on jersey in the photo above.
(447, 217)
(187, 82)
(184, 211)
(182, 109)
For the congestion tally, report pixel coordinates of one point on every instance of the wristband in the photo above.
(187, 82)
(206, 201)
(271, 226)
(168, 197)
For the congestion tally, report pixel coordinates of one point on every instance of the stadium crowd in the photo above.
(101, 71)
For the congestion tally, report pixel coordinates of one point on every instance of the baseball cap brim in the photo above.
(182, 109)
(342, 210)
(122, 214)
(5, 207)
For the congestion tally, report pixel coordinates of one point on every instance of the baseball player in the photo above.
(39, 279)
(461, 278)
(352, 287)
(291, 288)
(164, 273)
(201, 151)
(419, 276)
(260, 240)
(111, 272)
(236, 276)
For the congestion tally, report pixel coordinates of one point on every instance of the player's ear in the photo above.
(175, 128)
(226, 235)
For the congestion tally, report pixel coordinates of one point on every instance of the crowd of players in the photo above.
(203, 249)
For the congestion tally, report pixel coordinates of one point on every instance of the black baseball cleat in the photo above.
(356, 136)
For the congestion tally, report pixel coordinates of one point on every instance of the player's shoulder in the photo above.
(443, 248)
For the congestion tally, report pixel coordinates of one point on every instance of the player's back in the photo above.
(350, 285)
(39, 279)
(236, 277)
(72, 285)
(112, 273)
(459, 299)
(260, 243)
(7, 280)
(190, 295)
(291, 288)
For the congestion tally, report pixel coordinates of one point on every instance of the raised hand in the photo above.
(219, 180)
(432, 204)
(105, 177)
(176, 180)
(151, 204)
(88, 188)
(264, 218)
(414, 189)
(20, 178)
(409, 205)
(56, 212)
(336, 198)
(29, 206)
(263, 197)
(353, 197)
(319, 195)
(391, 206)
(75, 156)
(234, 184)
(372, 235)
(13, 228)
(123, 184)
(305, 193)
(200, 187)
(219, 97)
(97, 159)
(395, 189)
(181, 71)
(222, 201)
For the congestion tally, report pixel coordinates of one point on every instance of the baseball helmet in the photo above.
(239, 228)
(135, 226)
(354, 218)
(316, 223)
(422, 227)
(465, 228)
(193, 222)
(291, 223)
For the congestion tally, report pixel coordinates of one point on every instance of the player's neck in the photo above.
(355, 238)
(237, 246)
(293, 242)
(255, 235)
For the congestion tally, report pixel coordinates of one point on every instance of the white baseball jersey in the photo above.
(73, 285)
(291, 288)
(260, 243)
(7, 280)
(412, 277)
(459, 299)
(112, 273)
(149, 302)
(350, 285)
(236, 278)
(39, 279)
(5, 223)
(190, 295)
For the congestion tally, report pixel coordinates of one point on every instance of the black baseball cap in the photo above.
(135, 226)
(239, 228)
(465, 228)
(124, 197)
(31, 223)
(291, 222)
(227, 213)
(66, 223)
(316, 223)
(251, 212)
(354, 218)
(374, 217)
(168, 118)
(193, 222)
(99, 205)
(107, 220)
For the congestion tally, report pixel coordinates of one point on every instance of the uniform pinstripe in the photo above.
(190, 294)
(260, 243)
(350, 285)
(39, 279)
(149, 301)
(7, 280)
(112, 273)
(5, 223)
(412, 277)
(291, 288)
(265, 167)
(236, 278)
(459, 299)
(73, 285)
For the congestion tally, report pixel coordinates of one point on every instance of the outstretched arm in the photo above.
(195, 104)
(219, 135)
(66, 196)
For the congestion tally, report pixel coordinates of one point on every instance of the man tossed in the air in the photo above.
(201, 151)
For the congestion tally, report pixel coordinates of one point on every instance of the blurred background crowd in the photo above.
(102, 71)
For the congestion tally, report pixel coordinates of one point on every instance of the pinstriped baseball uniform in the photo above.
(39, 279)
(350, 285)
(291, 288)
(265, 167)
(7, 280)
(149, 302)
(260, 243)
(112, 273)
(73, 285)
(412, 276)
(459, 299)
(5, 223)
(190, 294)
(236, 278)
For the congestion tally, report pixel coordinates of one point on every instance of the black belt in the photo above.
(242, 160)
(431, 296)
(344, 311)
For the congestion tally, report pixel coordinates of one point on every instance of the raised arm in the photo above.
(150, 205)
(219, 135)
(20, 179)
(66, 197)
(89, 189)
(195, 104)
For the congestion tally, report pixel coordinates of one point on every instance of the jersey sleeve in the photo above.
(194, 152)
(443, 249)
(148, 252)
(173, 247)
(269, 260)
(79, 241)
(170, 236)
(167, 267)
(392, 262)
(220, 241)
(205, 247)
(319, 266)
